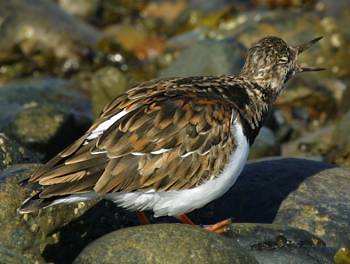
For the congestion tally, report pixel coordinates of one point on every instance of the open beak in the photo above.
(301, 48)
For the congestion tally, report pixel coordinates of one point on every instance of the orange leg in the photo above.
(219, 228)
(142, 218)
(185, 219)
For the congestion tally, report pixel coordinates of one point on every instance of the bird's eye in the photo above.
(283, 60)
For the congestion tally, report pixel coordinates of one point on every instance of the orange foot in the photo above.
(219, 228)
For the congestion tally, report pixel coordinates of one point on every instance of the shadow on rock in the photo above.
(260, 190)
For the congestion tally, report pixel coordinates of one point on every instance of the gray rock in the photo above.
(265, 145)
(164, 243)
(288, 191)
(44, 115)
(207, 57)
(106, 84)
(271, 243)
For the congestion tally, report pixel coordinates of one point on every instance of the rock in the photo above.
(31, 235)
(40, 30)
(12, 153)
(271, 243)
(44, 115)
(207, 57)
(106, 84)
(7, 256)
(288, 191)
(15, 233)
(164, 243)
(265, 145)
(328, 219)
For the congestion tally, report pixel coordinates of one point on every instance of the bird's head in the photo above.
(271, 62)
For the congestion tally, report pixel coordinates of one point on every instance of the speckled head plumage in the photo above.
(271, 62)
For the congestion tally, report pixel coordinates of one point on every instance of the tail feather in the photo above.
(33, 204)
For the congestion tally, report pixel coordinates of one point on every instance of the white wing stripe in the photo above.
(105, 125)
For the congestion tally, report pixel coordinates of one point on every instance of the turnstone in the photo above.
(171, 145)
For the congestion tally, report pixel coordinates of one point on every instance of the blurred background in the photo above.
(62, 61)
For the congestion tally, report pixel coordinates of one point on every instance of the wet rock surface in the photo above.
(156, 244)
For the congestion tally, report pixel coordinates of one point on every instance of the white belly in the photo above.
(178, 202)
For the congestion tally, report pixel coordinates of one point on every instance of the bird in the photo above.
(171, 145)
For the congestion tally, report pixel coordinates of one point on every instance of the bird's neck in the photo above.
(270, 81)
(255, 104)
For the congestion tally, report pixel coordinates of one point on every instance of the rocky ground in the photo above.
(61, 61)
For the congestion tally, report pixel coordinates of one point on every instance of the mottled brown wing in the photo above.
(167, 141)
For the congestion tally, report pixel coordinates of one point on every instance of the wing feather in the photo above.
(165, 141)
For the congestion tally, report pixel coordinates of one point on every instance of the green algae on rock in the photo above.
(164, 243)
